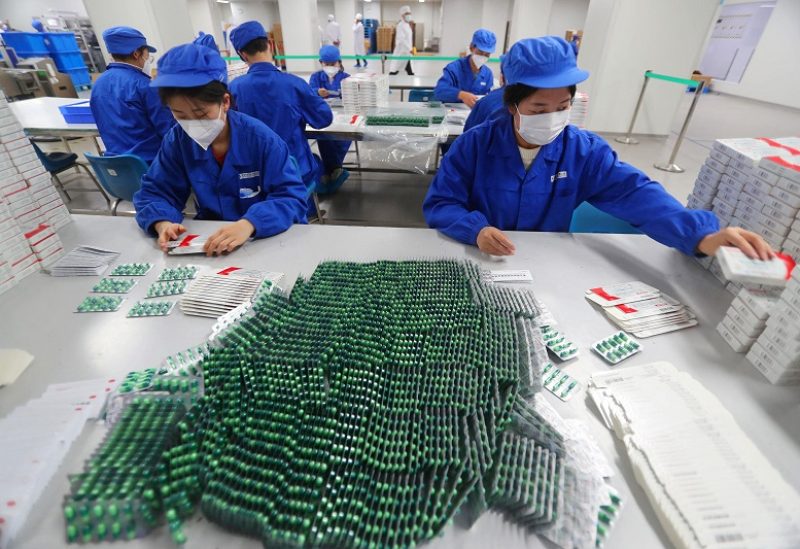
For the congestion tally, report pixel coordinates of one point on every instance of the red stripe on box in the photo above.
(785, 163)
(187, 240)
(773, 143)
(625, 309)
(790, 263)
(602, 293)
(36, 231)
(229, 270)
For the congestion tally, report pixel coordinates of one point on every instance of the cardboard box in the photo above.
(781, 207)
(694, 202)
(33, 172)
(758, 358)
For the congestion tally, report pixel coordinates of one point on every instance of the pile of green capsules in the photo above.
(366, 409)
(398, 120)
(118, 495)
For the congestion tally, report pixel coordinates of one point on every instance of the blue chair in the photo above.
(58, 162)
(420, 96)
(120, 176)
(588, 219)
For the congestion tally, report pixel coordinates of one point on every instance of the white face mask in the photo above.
(148, 66)
(203, 131)
(407, 18)
(479, 60)
(541, 129)
(330, 71)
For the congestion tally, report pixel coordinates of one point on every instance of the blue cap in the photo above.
(206, 40)
(484, 40)
(329, 54)
(546, 62)
(124, 40)
(246, 33)
(189, 66)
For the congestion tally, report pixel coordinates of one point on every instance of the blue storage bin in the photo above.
(80, 77)
(68, 60)
(77, 113)
(58, 42)
(27, 44)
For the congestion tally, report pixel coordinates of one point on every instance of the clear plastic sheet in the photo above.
(403, 137)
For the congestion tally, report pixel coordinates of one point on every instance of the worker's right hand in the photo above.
(323, 92)
(468, 99)
(493, 241)
(167, 231)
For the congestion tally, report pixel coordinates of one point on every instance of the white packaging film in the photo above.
(659, 412)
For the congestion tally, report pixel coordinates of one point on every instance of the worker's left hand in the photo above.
(468, 99)
(748, 242)
(229, 237)
(323, 92)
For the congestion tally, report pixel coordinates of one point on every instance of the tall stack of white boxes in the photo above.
(746, 183)
(31, 210)
(362, 91)
(776, 352)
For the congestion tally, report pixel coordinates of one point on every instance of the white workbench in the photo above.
(37, 316)
(40, 116)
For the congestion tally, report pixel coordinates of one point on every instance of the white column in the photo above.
(300, 35)
(205, 16)
(624, 38)
(164, 24)
(530, 18)
(495, 15)
(345, 12)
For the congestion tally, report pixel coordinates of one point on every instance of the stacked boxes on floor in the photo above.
(776, 352)
(746, 183)
(31, 210)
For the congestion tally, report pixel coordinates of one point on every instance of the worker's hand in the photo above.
(229, 237)
(323, 92)
(166, 231)
(468, 99)
(748, 242)
(493, 241)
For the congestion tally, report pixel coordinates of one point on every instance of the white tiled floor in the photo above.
(396, 199)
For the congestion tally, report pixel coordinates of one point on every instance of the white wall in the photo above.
(265, 13)
(21, 12)
(325, 7)
(494, 17)
(772, 74)
(164, 23)
(567, 14)
(461, 19)
(622, 39)
(529, 18)
(370, 10)
(205, 16)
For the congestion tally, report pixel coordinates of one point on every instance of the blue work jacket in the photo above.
(458, 76)
(482, 181)
(258, 180)
(128, 112)
(285, 103)
(484, 108)
(320, 80)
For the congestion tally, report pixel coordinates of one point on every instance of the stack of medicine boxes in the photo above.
(776, 352)
(742, 191)
(31, 210)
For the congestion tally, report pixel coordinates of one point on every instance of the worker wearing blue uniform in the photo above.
(127, 111)
(469, 77)
(284, 102)
(488, 105)
(528, 170)
(328, 83)
(238, 169)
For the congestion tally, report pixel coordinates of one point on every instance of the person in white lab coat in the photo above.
(332, 35)
(403, 42)
(358, 41)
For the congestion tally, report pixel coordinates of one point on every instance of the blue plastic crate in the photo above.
(68, 60)
(80, 77)
(77, 113)
(27, 44)
(58, 42)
